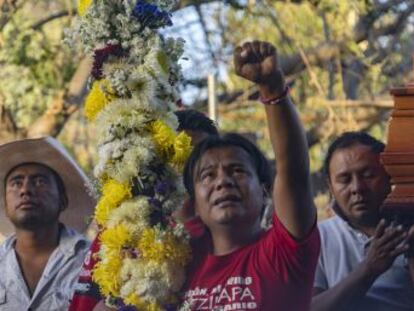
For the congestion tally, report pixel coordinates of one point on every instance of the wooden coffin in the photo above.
(398, 156)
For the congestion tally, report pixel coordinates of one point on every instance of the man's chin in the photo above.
(30, 223)
(366, 219)
(228, 218)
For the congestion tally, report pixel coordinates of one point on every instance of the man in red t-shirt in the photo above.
(236, 264)
(87, 294)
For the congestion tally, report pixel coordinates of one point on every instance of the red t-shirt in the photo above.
(87, 294)
(274, 273)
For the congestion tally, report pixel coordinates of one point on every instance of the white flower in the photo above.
(119, 118)
(134, 214)
(176, 198)
(141, 85)
(123, 159)
(180, 232)
(117, 72)
(149, 280)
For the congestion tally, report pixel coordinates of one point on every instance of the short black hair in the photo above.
(191, 119)
(349, 139)
(258, 160)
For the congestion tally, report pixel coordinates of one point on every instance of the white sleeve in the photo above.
(320, 275)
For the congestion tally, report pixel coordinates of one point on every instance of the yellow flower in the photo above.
(163, 137)
(83, 6)
(162, 246)
(182, 149)
(96, 99)
(102, 211)
(133, 300)
(115, 238)
(106, 273)
(154, 307)
(113, 193)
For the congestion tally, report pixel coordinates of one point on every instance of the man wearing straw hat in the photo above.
(41, 189)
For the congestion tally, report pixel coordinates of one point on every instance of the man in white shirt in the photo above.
(40, 262)
(362, 265)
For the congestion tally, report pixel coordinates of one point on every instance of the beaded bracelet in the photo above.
(276, 100)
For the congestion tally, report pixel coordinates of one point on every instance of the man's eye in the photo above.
(368, 174)
(343, 179)
(206, 175)
(16, 183)
(40, 181)
(239, 170)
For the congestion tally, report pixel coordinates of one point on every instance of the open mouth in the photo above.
(227, 199)
(360, 205)
(27, 205)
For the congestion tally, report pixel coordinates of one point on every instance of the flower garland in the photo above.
(132, 98)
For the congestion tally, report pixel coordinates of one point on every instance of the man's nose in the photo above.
(26, 188)
(224, 179)
(358, 185)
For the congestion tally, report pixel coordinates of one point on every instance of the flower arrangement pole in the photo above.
(131, 101)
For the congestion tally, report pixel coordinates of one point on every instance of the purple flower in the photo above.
(101, 55)
(128, 308)
(162, 188)
(170, 307)
(150, 15)
(179, 103)
(155, 203)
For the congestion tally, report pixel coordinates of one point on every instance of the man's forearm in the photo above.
(345, 293)
(292, 185)
(289, 141)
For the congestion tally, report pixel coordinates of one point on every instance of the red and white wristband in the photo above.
(275, 100)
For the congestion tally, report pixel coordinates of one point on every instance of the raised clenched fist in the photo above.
(257, 62)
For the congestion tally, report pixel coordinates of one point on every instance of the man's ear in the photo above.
(267, 197)
(62, 204)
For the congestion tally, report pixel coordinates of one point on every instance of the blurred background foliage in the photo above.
(340, 57)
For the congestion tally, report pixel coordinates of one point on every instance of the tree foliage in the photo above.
(342, 58)
(35, 66)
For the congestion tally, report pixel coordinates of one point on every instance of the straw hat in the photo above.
(48, 151)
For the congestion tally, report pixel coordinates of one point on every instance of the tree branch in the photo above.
(64, 105)
(49, 18)
(206, 33)
(326, 51)
(8, 127)
(365, 23)
(186, 3)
